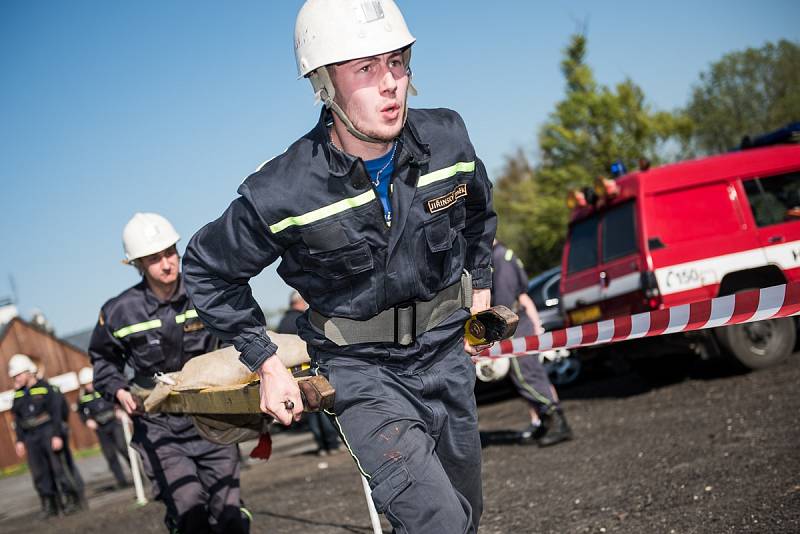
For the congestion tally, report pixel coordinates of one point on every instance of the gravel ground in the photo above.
(713, 453)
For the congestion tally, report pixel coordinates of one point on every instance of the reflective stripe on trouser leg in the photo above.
(413, 436)
(184, 468)
(530, 378)
(218, 469)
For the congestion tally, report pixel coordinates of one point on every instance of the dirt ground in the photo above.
(713, 453)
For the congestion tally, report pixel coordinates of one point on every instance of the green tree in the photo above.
(526, 216)
(745, 93)
(592, 127)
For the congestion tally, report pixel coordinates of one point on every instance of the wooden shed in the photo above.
(58, 362)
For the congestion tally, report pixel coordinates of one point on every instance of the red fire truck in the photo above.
(666, 236)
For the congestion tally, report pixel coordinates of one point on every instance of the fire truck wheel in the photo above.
(759, 345)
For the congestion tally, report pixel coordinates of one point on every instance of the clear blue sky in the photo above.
(108, 108)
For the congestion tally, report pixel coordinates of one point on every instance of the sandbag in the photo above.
(223, 368)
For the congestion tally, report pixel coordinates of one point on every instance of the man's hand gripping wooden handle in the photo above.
(280, 394)
(488, 326)
(285, 398)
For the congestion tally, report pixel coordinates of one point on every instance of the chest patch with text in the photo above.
(444, 202)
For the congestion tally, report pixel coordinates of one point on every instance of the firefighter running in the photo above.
(385, 228)
(152, 328)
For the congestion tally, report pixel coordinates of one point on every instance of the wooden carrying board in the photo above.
(228, 400)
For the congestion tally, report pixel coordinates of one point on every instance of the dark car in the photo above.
(543, 290)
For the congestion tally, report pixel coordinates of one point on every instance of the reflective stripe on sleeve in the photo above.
(39, 391)
(138, 327)
(188, 314)
(447, 172)
(19, 394)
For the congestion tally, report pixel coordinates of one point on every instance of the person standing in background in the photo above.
(40, 413)
(509, 288)
(100, 415)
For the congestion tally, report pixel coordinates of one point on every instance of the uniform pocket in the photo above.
(439, 234)
(147, 354)
(335, 273)
(334, 269)
(439, 252)
(458, 216)
(325, 238)
(332, 254)
(195, 339)
(389, 481)
(340, 263)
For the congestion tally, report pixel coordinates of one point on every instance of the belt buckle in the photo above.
(402, 308)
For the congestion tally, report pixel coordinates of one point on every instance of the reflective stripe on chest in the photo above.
(138, 327)
(364, 198)
(90, 397)
(153, 323)
(33, 391)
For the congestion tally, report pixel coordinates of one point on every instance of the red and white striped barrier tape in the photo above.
(745, 307)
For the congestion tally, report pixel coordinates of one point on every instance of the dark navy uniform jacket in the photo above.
(137, 336)
(37, 407)
(314, 207)
(509, 282)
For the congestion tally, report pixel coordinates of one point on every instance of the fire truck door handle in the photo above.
(603, 279)
(776, 239)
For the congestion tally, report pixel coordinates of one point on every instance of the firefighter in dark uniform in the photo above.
(40, 413)
(509, 288)
(152, 328)
(99, 414)
(382, 219)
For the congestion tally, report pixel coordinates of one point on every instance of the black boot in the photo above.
(532, 433)
(49, 507)
(73, 503)
(556, 428)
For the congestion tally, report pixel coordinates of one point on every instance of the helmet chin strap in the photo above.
(325, 92)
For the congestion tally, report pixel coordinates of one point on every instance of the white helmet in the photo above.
(85, 375)
(145, 234)
(19, 363)
(333, 31)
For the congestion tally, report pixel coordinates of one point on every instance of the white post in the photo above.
(373, 513)
(141, 500)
